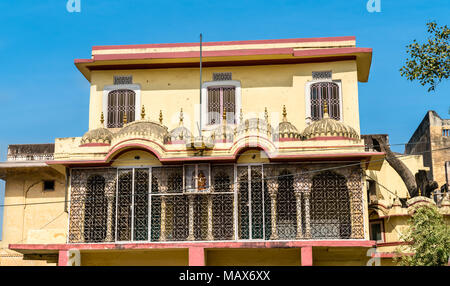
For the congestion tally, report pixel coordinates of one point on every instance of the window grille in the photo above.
(321, 75)
(286, 206)
(120, 79)
(121, 101)
(220, 98)
(446, 132)
(270, 201)
(320, 92)
(330, 206)
(221, 76)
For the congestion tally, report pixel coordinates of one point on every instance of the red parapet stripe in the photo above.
(228, 43)
(170, 245)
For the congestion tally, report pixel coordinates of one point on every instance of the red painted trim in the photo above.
(63, 257)
(111, 155)
(221, 63)
(395, 243)
(94, 144)
(332, 51)
(288, 139)
(229, 158)
(307, 256)
(82, 61)
(196, 256)
(230, 53)
(330, 138)
(228, 43)
(168, 245)
(389, 254)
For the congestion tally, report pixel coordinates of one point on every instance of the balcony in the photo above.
(267, 202)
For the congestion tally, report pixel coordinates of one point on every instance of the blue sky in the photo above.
(43, 95)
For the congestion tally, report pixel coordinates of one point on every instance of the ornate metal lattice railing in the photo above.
(262, 202)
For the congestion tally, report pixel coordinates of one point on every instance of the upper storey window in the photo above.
(120, 99)
(218, 96)
(322, 88)
(120, 102)
(221, 99)
(325, 91)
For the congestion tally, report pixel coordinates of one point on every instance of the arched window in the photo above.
(286, 206)
(328, 91)
(95, 210)
(330, 206)
(120, 101)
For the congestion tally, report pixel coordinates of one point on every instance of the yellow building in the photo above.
(261, 162)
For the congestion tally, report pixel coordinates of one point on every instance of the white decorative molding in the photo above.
(204, 106)
(308, 98)
(108, 88)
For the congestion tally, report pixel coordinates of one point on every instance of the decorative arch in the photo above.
(121, 149)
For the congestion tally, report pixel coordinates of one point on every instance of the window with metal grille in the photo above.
(119, 79)
(120, 101)
(320, 92)
(220, 98)
(446, 132)
(220, 76)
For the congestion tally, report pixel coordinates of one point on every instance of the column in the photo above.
(196, 256)
(298, 200)
(307, 258)
(307, 195)
(191, 217)
(273, 189)
(63, 257)
(162, 237)
(210, 219)
(110, 222)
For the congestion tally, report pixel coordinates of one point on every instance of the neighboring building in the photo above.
(265, 165)
(433, 134)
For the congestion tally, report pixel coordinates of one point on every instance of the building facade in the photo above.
(259, 162)
(433, 133)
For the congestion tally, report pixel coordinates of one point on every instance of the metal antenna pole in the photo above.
(200, 129)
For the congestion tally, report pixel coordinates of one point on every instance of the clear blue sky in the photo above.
(43, 95)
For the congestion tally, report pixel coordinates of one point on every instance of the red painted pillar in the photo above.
(196, 256)
(307, 258)
(63, 257)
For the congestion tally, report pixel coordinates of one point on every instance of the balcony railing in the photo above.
(215, 203)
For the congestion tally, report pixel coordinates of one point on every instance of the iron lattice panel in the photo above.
(141, 196)
(114, 204)
(222, 202)
(286, 206)
(92, 205)
(330, 207)
(124, 203)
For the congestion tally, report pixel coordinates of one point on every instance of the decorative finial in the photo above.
(224, 115)
(102, 118)
(266, 114)
(325, 109)
(284, 113)
(181, 117)
(125, 118)
(420, 192)
(160, 117)
(143, 112)
(241, 116)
